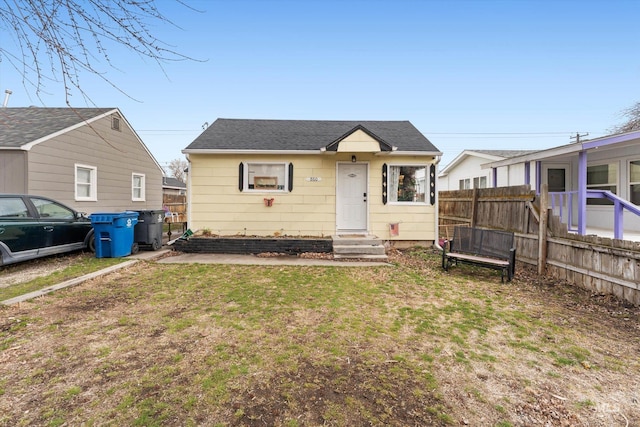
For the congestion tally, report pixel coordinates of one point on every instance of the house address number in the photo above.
(313, 179)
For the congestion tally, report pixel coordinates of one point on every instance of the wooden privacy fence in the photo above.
(503, 208)
(177, 205)
(599, 264)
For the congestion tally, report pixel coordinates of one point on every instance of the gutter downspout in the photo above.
(436, 242)
(189, 196)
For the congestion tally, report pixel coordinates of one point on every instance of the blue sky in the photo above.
(467, 74)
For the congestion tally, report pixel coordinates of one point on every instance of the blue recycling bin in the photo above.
(113, 233)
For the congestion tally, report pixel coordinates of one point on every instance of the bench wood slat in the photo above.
(475, 258)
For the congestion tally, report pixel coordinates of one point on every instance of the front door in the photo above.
(351, 198)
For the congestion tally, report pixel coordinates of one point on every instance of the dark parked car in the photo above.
(34, 226)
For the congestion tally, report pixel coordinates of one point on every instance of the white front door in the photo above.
(351, 197)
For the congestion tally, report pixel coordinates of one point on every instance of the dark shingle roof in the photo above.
(242, 134)
(168, 181)
(20, 126)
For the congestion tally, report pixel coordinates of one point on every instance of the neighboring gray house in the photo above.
(88, 158)
(173, 186)
(466, 172)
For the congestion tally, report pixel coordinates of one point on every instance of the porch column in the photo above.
(582, 193)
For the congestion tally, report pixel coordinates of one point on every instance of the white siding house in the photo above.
(466, 172)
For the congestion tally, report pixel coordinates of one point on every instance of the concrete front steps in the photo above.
(358, 247)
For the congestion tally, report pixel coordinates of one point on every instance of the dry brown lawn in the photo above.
(406, 345)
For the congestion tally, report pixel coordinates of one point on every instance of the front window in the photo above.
(634, 182)
(407, 184)
(265, 177)
(602, 177)
(465, 184)
(137, 187)
(480, 182)
(86, 183)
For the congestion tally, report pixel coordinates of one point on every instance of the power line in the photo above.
(499, 133)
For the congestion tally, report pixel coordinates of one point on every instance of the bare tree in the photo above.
(58, 41)
(632, 115)
(177, 168)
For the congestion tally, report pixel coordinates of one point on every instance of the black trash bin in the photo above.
(148, 230)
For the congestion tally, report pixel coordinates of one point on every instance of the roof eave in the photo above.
(235, 151)
(566, 149)
(464, 154)
(409, 153)
(20, 147)
(538, 155)
(307, 152)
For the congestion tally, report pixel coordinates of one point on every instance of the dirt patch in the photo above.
(314, 391)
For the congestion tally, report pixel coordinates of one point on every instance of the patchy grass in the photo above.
(164, 344)
(68, 267)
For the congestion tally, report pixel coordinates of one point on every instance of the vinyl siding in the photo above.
(13, 171)
(115, 154)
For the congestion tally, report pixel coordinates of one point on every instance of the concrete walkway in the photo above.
(192, 259)
(256, 260)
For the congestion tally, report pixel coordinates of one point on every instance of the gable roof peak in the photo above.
(384, 146)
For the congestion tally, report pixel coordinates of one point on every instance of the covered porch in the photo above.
(594, 185)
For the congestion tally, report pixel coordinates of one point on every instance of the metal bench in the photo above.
(486, 248)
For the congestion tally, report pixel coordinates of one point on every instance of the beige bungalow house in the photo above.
(90, 159)
(313, 178)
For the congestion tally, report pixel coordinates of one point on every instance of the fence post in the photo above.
(542, 228)
(474, 207)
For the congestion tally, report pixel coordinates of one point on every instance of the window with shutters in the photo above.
(265, 177)
(407, 184)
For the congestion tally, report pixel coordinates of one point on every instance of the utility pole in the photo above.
(578, 136)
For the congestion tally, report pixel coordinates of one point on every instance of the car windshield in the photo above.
(52, 210)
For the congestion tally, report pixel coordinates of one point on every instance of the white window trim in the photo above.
(245, 178)
(143, 189)
(479, 179)
(93, 184)
(427, 184)
(466, 182)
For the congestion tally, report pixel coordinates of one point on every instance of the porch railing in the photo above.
(562, 203)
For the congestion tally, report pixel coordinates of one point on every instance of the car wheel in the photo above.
(92, 244)
(155, 245)
(135, 248)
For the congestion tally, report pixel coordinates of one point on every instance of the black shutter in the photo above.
(290, 177)
(432, 183)
(384, 184)
(241, 176)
